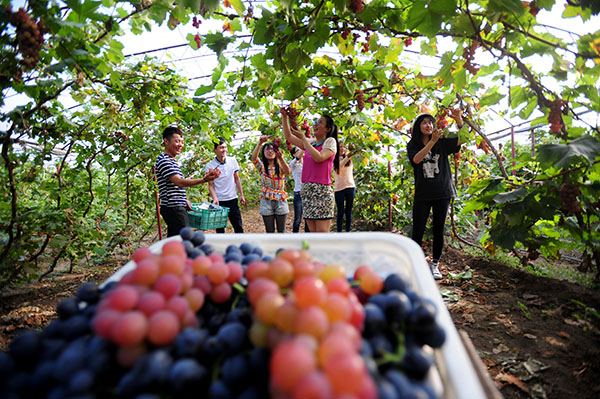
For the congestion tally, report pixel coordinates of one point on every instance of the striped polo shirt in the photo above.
(169, 194)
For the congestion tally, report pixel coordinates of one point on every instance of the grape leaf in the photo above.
(561, 155)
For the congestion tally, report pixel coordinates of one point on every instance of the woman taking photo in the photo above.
(320, 155)
(273, 197)
(296, 168)
(428, 153)
(344, 189)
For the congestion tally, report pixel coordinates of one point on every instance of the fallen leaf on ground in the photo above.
(554, 342)
(538, 392)
(500, 348)
(534, 366)
(466, 275)
(449, 296)
(575, 323)
(511, 379)
(530, 336)
(563, 334)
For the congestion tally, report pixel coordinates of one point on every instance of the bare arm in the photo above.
(346, 160)
(261, 140)
(238, 184)
(434, 138)
(285, 168)
(317, 156)
(182, 182)
(456, 114)
(213, 192)
(287, 130)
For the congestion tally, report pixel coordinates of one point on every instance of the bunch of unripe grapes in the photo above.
(554, 117)
(360, 100)
(293, 115)
(469, 56)
(568, 198)
(29, 36)
(356, 6)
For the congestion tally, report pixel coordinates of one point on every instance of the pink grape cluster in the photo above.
(311, 318)
(161, 295)
(555, 115)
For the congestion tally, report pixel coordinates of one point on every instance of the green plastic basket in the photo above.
(208, 219)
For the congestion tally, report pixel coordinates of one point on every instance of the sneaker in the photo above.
(435, 271)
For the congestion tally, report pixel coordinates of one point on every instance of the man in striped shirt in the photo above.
(171, 183)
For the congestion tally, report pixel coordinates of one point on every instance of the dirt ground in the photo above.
(537, 337)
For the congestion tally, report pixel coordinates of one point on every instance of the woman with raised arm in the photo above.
(428, 153)
(345, 189)
(273, 198)
(320, 155)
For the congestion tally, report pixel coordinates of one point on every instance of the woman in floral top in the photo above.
(273, 198)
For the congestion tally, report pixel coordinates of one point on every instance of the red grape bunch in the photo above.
(360, 100)
(292, 327)
(276, 144)
(469, 56)
(313, 327)
(306, 128)
(568, 198)
(533, 8)
(293, 115)
(554, 117)
(356, 6)
(441, 118)
(30, 37)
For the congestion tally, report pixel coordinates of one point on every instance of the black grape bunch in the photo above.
(568, 198)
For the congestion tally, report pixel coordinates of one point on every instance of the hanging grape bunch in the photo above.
(276, 144)
(554, 117)
(29, 36)
(469, 56)
(306, 128)
(293, 115)
(568, 197)
(356, 6)
(360, 100)
(441, 120)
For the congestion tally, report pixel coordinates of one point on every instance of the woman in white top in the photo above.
(296, 167)
(344, 188)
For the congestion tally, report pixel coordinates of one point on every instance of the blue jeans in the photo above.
(297, 212)
(343, 200)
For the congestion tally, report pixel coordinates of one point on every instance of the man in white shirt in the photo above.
(225, 188)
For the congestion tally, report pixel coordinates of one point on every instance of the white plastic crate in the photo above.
(454, 374)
